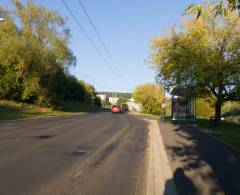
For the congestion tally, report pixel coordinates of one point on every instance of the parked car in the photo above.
(116, 109)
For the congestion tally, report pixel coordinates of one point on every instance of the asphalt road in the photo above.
(85, 154)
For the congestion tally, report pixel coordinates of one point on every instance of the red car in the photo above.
(116, 109)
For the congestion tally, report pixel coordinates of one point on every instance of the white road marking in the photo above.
(77, 174)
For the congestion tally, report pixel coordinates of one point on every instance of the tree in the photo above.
(122, 101)
(203, 54)
(218, 7)
(150, 96)
(204, 107)
(33, 50)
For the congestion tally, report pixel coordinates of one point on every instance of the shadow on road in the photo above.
(201, 164)
(183, 183)
(169, 188)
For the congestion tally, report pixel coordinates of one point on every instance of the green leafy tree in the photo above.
(122, 101)
(202, 54)
(204, 108)
(150, 96)
(32, 52)
(217, 7)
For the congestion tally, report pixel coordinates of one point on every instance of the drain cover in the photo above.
(79, 152)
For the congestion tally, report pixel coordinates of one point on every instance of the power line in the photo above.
(88, 37)
(98, 35)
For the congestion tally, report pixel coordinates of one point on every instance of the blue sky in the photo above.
(127, 28)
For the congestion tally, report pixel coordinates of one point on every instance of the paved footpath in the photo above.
(160, 179)
(200, 163)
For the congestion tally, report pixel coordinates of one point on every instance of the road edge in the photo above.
(43, 117)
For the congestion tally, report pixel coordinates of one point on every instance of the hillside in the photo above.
(11, 110)
(118, 94)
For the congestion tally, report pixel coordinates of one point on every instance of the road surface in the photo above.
(85, 154)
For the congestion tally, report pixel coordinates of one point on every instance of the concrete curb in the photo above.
(159, 176)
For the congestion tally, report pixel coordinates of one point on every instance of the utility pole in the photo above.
(163, 106)
(85, 92)
(92, 93)
(164, 101)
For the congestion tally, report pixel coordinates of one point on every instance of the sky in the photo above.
(127, 28)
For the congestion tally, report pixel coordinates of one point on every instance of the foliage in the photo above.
(229, 106)
(218, 7)
(204, 55)
(231, 109)
(35, 58)
(151, 97)
(204, 108)
(233, 112)
(121, 101)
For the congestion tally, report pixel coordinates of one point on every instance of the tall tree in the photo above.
(32, 51)
(150, 96)
(204, 54)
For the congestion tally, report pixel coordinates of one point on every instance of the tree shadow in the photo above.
(184, 183)
(210, 163)
(170, 188)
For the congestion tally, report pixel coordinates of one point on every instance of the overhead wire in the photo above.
(88, 37)
(98, 35)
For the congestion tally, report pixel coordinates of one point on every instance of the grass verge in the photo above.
(10, 110)
(227, 132)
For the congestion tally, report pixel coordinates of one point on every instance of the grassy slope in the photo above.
(228, 132)
(11, 110)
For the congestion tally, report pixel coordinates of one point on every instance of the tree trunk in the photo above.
(218, 112)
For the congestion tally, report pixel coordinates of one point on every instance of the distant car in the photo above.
(116, 109)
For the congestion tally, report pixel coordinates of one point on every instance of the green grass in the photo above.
(10, 110)
(227, 132)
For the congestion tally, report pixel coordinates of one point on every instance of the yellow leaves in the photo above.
(200, 51)
(196, 47)
(148, 91)
(150, 96)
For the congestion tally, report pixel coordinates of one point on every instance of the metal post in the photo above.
(92, 93)
(85, 92)
(195, 113)
(164, 101)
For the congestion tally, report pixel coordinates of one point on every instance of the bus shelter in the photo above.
(183, 104)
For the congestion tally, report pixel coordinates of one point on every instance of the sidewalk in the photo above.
(160, 178)
(200, 163)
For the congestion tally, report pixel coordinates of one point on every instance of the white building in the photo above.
(113, 100)
(102, 97)
(133, 106)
